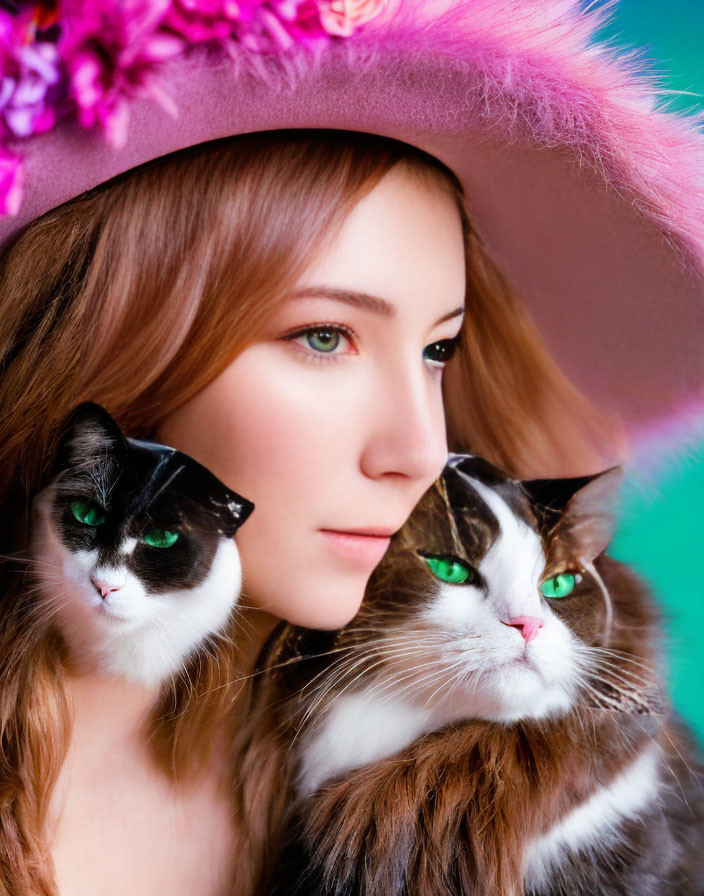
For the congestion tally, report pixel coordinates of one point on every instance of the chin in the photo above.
(331, 611)
(521, 694)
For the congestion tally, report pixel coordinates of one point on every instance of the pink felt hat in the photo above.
(590, 199)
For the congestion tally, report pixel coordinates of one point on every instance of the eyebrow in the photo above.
(360, 300)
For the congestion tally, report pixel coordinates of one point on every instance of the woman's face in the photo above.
(332, 421)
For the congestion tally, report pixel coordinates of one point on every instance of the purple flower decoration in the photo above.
(90, 58)
(29, 70)
(112, 53)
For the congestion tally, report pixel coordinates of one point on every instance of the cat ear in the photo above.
(89, 432)
(233, 512)
(585, 506)
(476, 467)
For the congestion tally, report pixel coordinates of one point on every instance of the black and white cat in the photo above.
(133, 550)
(492, 720)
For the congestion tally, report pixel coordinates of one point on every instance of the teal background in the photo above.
(671, 34)
(662, 525)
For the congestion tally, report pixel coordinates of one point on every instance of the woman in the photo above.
(187, 297)
(220, 361)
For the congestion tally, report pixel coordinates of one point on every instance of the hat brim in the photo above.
(591, 201)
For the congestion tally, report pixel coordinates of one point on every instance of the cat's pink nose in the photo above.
(104, 587)
(529, 625)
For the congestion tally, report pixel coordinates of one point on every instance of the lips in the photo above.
(366, 546)
(371, 531)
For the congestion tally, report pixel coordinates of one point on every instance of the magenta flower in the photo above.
(112, 53)
(203, 20)
(279, 24)
(263, 26)
(11, 182)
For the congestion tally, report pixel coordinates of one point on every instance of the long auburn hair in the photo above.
(139, 292)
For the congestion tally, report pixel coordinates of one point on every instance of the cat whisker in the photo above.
(621, 655)
(38, 561)
(241, 605)
(392, 691)
(613, 676)
(681, 757)
(318, 701)
(616, 671)
(607, 702)
(404, 649)
(339, 677)
(460, 674)
(407, 636)
(457, 677)
(242, 619)
(390, 684)
(19, 557)
(590, 660)
(341, 664)
(372, 650)
(259, 672)
(394, 679)
(639, 672)
(669, 767)
(388, 688)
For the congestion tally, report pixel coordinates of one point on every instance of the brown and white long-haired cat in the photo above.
(491, 722)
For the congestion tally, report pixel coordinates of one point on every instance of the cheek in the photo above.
(274, 435)
(459, 609)
(290, 571)
(262, 428)
(584, 615)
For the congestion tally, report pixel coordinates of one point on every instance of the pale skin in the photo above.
(336, 429)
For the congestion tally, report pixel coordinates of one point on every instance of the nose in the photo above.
(104, 587)
(407, 432)
(529, 626)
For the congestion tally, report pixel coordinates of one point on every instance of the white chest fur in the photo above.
(359, 728)
(596, 823)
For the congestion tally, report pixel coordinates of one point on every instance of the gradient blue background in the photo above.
(661, 533)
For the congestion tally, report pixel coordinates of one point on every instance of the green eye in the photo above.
(161, 538)
(450, 569)
(323, 340)
(88, 513)
(561, 585)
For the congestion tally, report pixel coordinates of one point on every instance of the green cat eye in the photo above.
(161, 538)
(88, 513)
(561, 585)
(450, 569)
